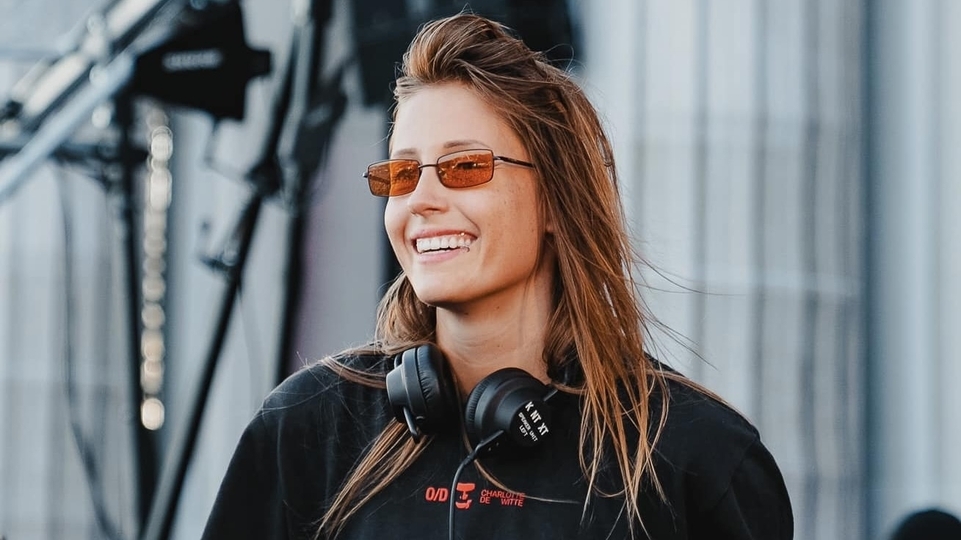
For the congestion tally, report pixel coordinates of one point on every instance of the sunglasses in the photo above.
(463, 169)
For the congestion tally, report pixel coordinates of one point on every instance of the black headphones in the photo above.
(507, 408)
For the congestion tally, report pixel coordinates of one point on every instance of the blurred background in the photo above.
(183, 223)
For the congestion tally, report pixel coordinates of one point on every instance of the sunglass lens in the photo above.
(404, 174)
(467, 169)
(392, 177)
(378, 179)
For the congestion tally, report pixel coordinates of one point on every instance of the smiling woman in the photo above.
(507, 271)
(512, 340)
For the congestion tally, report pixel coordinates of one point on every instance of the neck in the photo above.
(478, 342)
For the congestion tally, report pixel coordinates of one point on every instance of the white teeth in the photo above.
(435, 243)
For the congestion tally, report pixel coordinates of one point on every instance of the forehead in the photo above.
(448, 117)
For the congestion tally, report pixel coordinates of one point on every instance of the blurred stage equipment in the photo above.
(206, 65)
(187, 53)
(167, 49)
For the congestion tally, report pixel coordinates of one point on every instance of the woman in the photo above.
(507, 393)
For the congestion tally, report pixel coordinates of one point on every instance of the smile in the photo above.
(438, 243)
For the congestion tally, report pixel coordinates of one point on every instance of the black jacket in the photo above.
(720, 480)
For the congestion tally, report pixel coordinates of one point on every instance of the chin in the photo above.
(437, 300)
(439, 296)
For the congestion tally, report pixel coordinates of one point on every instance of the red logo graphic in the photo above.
(463, 499)
(437, 494)
(506, 498)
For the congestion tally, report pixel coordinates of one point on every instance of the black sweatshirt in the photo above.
(721, 482)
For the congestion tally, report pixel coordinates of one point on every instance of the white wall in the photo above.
(915, 410)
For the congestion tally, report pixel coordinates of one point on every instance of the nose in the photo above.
(429, 194)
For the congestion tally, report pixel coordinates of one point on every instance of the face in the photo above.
(463, 248)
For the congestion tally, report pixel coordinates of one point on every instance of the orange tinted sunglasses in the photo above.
(463, 169)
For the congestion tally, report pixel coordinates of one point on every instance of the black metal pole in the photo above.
(175, 470)
(293, 283)
(306, 152)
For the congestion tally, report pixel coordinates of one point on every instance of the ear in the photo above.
(549, 224)
(547, 218)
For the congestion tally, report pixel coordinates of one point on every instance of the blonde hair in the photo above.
(598, 320)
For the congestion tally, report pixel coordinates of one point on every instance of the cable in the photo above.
(701, 178)
(761, 214)
(809, 257)
(481, 446)
(254, 380)
(86, 451)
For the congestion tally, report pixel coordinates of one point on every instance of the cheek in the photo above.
(521, 221)
(394, 223)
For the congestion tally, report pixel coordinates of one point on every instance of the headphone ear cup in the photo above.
(511, 401)
(437, 388)
(420, 384)
(472, 424)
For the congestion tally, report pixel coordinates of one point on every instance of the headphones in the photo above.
(508, 408)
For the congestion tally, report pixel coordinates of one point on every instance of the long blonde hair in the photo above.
(598, 320)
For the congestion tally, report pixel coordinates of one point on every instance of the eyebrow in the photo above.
(460, 143)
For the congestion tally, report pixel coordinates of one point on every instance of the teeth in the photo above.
(443, 242)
